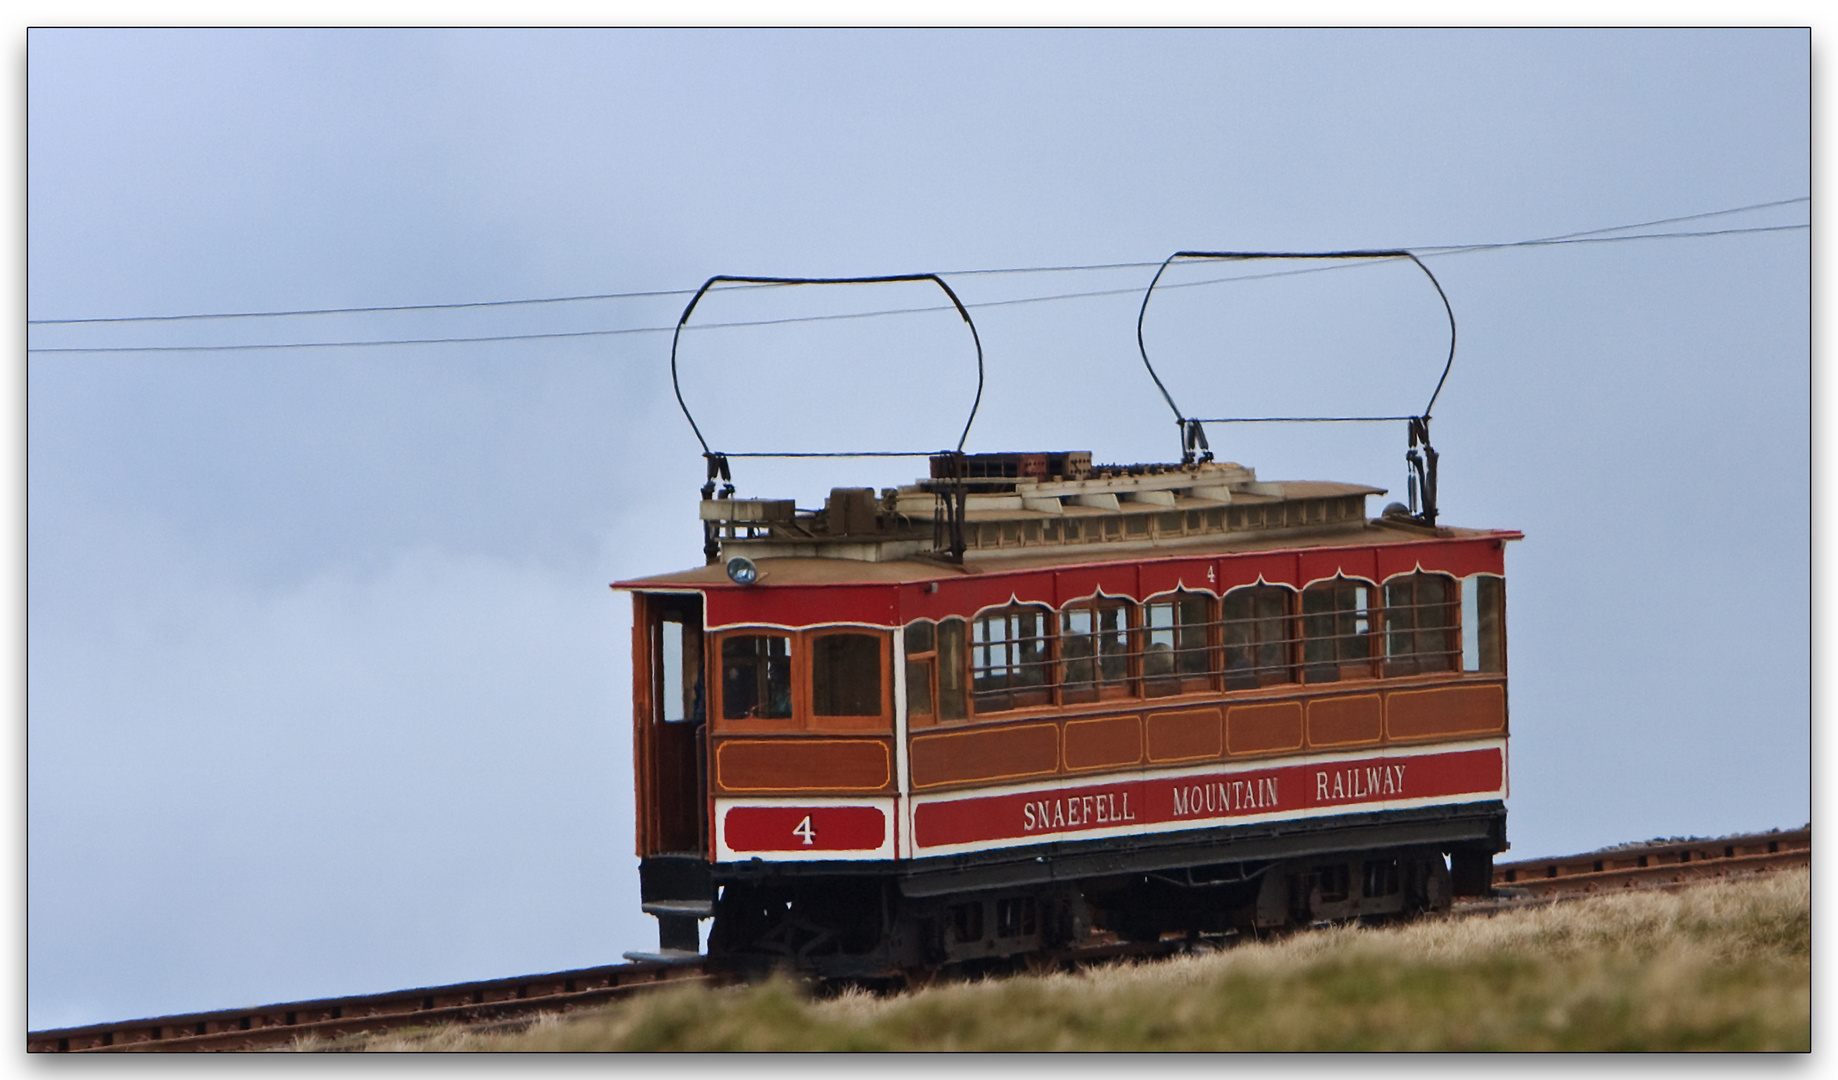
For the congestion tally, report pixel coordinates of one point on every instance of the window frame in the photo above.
(1489, 628)
(1345, 668)
(1028, 695)
(802, 653)
(1102, 689)
(1289, 672)
(926, 660)
(719, 720)
(1399, 664)
(1178, 683)
(933, 663)
(805, 671)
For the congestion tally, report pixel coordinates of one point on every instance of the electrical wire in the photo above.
(539, 300)
(687, 292)
(1426, 252)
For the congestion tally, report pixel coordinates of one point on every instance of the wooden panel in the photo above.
(1345, 721)
(1261, 728)
(1448, 710)
(993, 753)
(802, 765)
(1112, 741)
(1187, 735)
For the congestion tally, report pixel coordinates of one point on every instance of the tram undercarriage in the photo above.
(852, 922)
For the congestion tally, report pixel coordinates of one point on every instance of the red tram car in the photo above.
(1029, 698)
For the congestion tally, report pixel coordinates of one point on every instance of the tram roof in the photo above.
(807, 570)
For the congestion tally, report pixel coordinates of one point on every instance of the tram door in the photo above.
(674, 743)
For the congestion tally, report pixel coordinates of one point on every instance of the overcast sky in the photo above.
(327, 693)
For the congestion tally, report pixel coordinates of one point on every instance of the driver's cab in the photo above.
(670, 746)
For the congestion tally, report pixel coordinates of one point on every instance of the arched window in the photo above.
(1421, 634)
(1336, 630)
(1009, 659)
(1094, 647)
(1259, 631)
(1177, 657)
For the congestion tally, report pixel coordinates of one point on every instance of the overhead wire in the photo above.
(655, 293)
(1589, 237)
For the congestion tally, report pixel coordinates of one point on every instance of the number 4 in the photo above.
(804, 829)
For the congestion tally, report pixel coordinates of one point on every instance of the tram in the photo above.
(1030, 700)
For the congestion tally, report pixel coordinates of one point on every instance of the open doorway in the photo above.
(671, 715)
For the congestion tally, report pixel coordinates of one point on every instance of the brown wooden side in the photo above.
(643, 782)
(802, 764)
(1171, 732)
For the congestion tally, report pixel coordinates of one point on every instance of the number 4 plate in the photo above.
(804, 830)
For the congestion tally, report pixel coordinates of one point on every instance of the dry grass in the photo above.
(1719, 967)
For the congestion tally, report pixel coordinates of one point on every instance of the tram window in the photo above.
(1483, 609)
(1258, 633)
(953, 701)
(1094, 643)
(1177, 657)
(1420, 627)
(846, 675)
(679, 671)
(1336, 624)
(756, 677)
(921, 669)
(1008, 659)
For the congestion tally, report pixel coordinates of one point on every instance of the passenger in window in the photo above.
(756, 677)
(1336, 622)
(1094, 647)
(1257, 631)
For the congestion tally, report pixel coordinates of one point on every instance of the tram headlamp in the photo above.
(741, 570)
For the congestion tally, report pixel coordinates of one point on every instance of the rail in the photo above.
(335, 1018)
(1657, 863)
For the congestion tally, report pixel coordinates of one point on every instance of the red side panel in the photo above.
(889, 605)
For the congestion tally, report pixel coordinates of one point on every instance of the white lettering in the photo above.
(1378, 781)
(1219, 797)
(1087, 810)
(804, 829)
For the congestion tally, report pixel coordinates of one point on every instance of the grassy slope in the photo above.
(1718, 967)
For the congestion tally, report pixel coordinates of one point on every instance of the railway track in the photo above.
(368, 1014)
(1656, 864)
